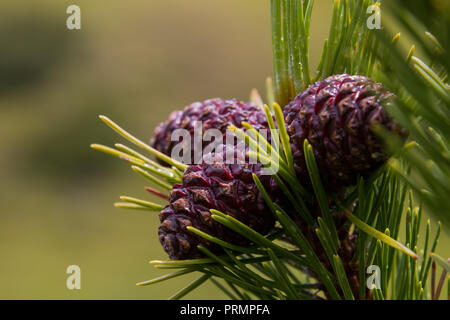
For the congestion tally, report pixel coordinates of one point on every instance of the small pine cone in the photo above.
(228, 188)
(336, 116)
(214, 114)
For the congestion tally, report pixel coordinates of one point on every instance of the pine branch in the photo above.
(335, 244)
(423, 104)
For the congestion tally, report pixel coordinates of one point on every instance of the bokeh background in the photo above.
(134, 61)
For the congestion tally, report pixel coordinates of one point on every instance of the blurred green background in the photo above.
(134, 61)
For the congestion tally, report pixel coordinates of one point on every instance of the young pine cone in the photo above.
(214, 114)
(336, 115)
(228, 188)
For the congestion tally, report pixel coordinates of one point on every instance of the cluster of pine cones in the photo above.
(335, 115)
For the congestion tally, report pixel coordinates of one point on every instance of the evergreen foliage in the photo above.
(385, 211)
